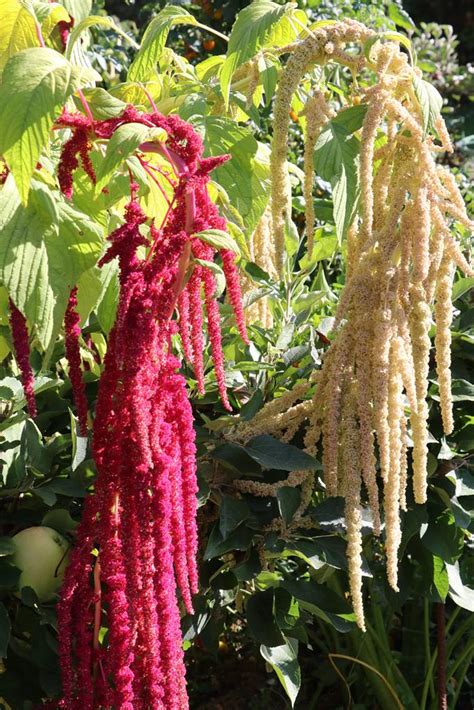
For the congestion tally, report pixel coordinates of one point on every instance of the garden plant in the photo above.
(236, 330)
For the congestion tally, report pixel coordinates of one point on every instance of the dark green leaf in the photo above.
(272, 453)
(443, 538)
(288, 501)
(233, 511)
(284, 661)
(261, 619)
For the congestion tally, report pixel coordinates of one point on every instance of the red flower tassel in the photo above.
(72, 332)
(21, 345)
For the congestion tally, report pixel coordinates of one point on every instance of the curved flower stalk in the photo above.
(137, 542)
(373, 384)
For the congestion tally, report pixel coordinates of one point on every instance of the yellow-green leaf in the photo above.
(35, 85)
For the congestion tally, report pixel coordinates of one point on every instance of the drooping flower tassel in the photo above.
(72, 333)
(21, 345)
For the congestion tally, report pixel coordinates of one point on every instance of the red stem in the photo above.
(180, 276)
(39, 34)
(86, 107)
(148, 171)
(98, 604)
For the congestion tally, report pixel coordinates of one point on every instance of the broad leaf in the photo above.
(154, 40)
(400, 17)
(430, 101)
(35, 85)
(39, 264)
(284, 661)
(252, 29)
(233, 511)
(17, 30)
(123, 143)
(218, 239)
(246, 177)
(272, 453)
(95, 21)
(336, 157)
(261, 619)
(78, 9)
(462, 595)
(288, 499)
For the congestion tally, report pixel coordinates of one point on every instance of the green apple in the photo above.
(41, 554)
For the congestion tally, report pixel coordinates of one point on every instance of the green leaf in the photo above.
(284, 661)
(246, 177)
(288, 501)
(252, 29)
(324, 248)
(461, 287)
(238, 539)
(351, 118)
(102, 104)
(430, 101)
(463, 391)
(154, 40)
(336, 157)
(95, 21)
(123, 143)
(5, 630)
(217, 272)
(400, 17)
(322, 602)
(40, 262)
(443, 538)
(233, 511)
(35, 86)
(440, 577)
(79, 9)
(218, 239)
(107, 306)
(17, 30)
(272, 453)
(261, 619)
(462, 595)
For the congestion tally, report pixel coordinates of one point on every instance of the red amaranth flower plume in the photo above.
(137, 541)
(21, 345)
(72, 332)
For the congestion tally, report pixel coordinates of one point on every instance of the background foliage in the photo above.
(273, 623)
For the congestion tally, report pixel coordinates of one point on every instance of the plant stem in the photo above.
(441, 676)
(426, 629)
(39, 34)
(369, 667)
(212, 31)
(86, 106)
(464, 663)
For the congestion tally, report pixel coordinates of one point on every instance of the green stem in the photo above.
(212, 31)
(449, 650)
(458, 634)
(462, 677)
(426, 629)
(467, 651)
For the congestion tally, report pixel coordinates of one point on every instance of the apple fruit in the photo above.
(41, 554)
